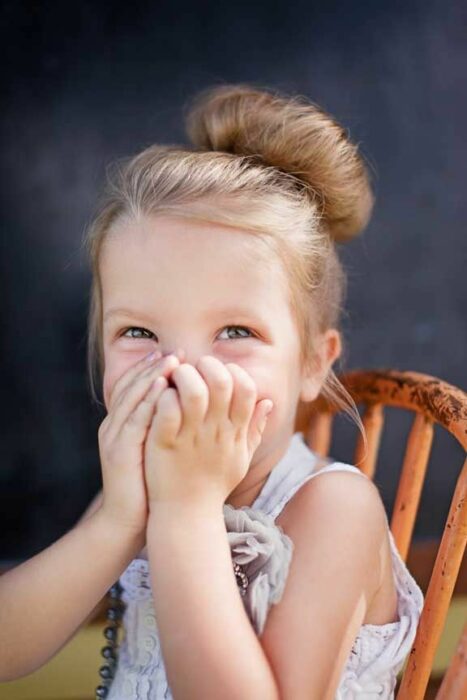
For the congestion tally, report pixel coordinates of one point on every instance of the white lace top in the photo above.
(264, 552)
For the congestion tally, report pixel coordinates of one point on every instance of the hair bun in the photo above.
(294, 135)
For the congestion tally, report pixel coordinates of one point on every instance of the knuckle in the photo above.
(168, 400)
(102, 429)
(169, 417)
(208, 361)
(240, 375)
(249, 388)
(116, 388)
(219, 376)
(231, 366)
(195, 397)
(221, 381)
(158, 367)
(131, 422)
(116, 401)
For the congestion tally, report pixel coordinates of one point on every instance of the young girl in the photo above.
(216, 296)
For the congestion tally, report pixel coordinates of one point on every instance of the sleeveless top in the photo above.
(264, 552)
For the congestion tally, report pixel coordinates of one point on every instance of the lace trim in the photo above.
(264, 552)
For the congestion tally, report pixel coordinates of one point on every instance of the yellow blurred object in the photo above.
(74, 673)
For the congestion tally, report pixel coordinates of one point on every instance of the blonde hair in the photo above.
(277, 166)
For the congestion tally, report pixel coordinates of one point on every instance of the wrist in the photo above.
(125, 534)
(185, 508)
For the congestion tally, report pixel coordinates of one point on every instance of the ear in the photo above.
(329, 348)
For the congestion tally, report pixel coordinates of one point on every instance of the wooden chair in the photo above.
(432, 401)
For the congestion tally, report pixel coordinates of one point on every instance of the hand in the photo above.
(204, 432)
(121, 441)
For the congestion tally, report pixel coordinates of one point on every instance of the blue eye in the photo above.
(144, 330)
(241, 328)
(136, 328)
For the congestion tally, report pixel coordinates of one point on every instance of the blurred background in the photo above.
(86, 83)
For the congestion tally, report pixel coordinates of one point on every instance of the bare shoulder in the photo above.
(345, 510)
(338, 526)
(335, 494)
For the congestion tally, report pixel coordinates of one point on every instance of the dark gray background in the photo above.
(85, 83)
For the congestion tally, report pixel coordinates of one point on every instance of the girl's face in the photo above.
(170, 283)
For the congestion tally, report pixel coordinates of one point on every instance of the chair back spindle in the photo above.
(411, 482)
(432, 401)
(373, 421)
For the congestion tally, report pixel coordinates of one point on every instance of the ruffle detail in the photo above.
(264, 552)
(136, 581)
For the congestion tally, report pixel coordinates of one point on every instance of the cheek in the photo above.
(271, 378)
(282, 388)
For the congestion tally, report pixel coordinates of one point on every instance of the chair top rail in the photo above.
(438, 400)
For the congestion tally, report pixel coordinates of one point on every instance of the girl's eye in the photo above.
(242, 328)
(136, 328)
(144, 330)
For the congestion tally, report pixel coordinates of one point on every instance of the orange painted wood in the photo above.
(432, 401)
(373, 421)
(438, 596)
(454, 683)
(411, 482)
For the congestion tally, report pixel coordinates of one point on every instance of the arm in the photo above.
(338, 525)
(93, 506)
(209, 647)
(45, 599)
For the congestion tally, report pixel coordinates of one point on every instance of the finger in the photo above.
(258, 423)
(124, 380)
(220, 385)
(143, 366)
(140, 419)
(193, 395)
(133, 394)
(167, 422)
(243, 397)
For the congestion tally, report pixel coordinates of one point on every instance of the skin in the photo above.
(204, 439)
(183, 283)
(208, 441)
(164, 271)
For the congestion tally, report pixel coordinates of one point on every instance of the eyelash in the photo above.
(140, 328)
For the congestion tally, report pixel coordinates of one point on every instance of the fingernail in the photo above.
(164, 362)
(269, 409)
(152, 356)
(168, 358)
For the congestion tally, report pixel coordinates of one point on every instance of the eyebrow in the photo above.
(230, 311)
(125, 312)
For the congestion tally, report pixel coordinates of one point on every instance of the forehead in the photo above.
(172, 259)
